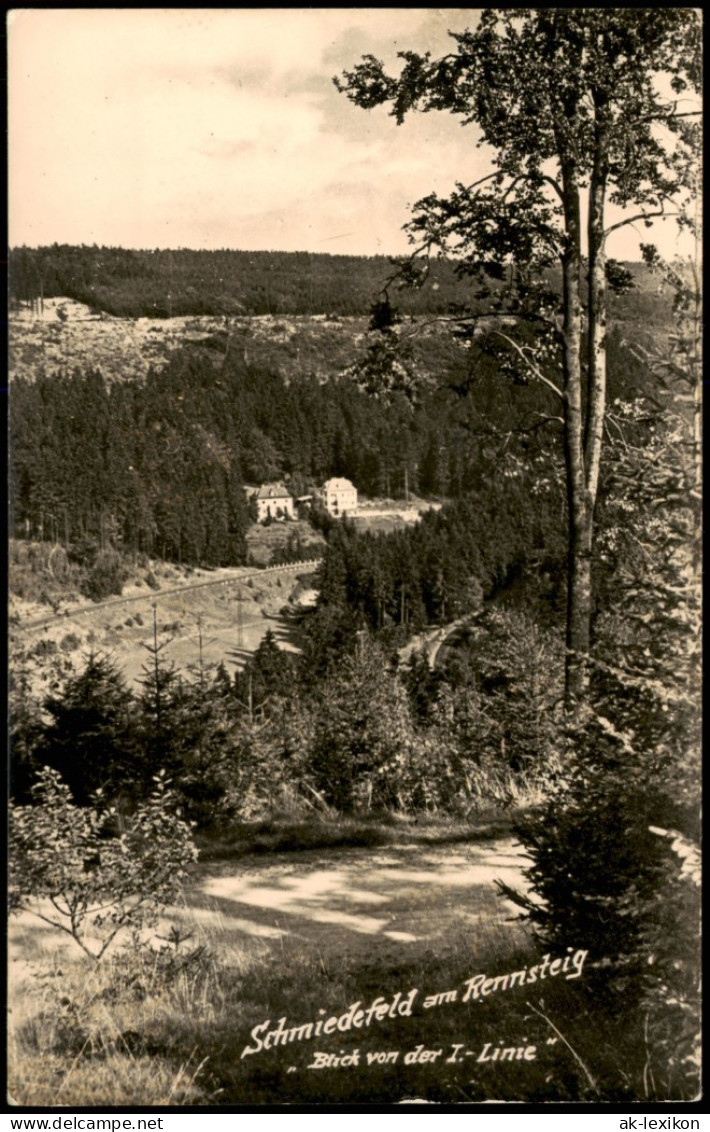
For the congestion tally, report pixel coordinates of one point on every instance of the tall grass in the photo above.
(83, 1034)
(165, 1027)
(298, 829)
(169, 1027)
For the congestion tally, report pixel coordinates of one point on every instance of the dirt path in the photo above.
(430, 641)
(366, 903)
(357, 900)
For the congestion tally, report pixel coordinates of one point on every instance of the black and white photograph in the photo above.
(354, 557)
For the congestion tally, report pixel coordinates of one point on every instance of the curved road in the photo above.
(432, 641)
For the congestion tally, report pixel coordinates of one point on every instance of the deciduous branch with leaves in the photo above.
(71, 869)
(573, 104)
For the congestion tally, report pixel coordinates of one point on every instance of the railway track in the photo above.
(154, 598)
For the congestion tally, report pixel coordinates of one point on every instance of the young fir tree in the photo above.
(362, 754)
(90, 738)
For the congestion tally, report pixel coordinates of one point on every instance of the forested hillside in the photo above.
(109, 464)
(166, 283)
(158, 464)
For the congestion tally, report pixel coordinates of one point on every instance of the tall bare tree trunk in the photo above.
(595, 408)
(580, 518)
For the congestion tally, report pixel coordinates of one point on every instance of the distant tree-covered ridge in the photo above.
(167, 283)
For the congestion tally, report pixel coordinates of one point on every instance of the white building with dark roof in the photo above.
(339, 497)
(274, 500)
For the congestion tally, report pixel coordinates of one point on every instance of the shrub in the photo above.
(83, 553)
(68, 870)
(152, 581)
(105, 577)
(43, 649)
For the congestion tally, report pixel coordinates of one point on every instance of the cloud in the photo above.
(127, 125)
(220, 127)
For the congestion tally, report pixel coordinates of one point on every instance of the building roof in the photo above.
(273, 491)
(338, 484)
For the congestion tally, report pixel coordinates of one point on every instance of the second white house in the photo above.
(339, 496)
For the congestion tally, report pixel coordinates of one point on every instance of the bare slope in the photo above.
(67, 334)
(224, 614)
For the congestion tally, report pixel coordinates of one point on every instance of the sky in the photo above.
(218, 128)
